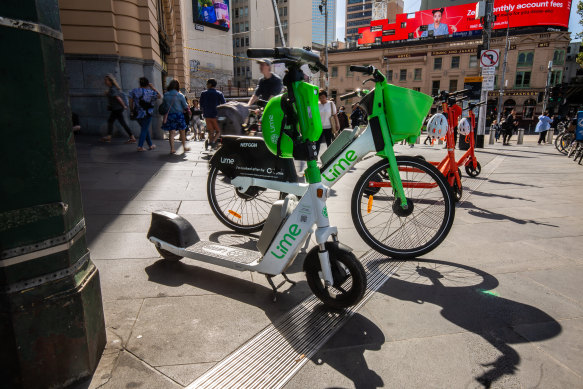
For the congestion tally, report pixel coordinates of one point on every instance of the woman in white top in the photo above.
(328, 115)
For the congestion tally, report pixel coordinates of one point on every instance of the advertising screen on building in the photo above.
(212, 13)
(459, 20)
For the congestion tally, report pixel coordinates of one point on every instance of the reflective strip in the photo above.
(31, 26)
(32, 282)
(50, 246)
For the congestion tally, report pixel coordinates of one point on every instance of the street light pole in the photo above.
(506, 47)
(324, 7)
(546, 100)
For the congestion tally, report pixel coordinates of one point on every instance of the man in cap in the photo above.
(270, 85)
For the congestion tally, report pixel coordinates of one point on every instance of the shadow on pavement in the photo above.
(486, 214)
(468, 300)
(502, 196)
(362, 333)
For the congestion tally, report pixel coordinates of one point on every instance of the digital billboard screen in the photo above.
(212, 13)
(460, 20)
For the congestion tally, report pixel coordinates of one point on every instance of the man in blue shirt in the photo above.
(210, 99)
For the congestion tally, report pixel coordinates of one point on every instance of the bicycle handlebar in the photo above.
(350, 95)
(362, 69)
(292, 53)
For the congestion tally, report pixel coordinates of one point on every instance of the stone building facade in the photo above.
(430, 66)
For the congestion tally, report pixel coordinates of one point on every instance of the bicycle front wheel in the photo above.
(244, 212)
(415, 232)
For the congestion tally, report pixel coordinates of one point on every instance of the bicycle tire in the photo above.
(244, 206)
(405, 246)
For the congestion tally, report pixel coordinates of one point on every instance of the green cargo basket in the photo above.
(406, 111)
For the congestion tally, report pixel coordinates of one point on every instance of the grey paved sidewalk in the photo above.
(498, 303)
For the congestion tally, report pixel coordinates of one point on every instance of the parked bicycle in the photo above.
(401, 206)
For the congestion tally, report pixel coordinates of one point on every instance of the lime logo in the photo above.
(338, 168)
(325, 212)
(271, 123)
(294, 230)
(274, 138)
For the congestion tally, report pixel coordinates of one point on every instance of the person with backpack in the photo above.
(174, 118)
(142, 101)
(116, 105)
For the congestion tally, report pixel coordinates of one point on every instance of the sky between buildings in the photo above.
(413, 5)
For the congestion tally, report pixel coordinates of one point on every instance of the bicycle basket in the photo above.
(406, 110)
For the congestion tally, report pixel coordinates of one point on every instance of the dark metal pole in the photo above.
(506, 48)
(52, 330)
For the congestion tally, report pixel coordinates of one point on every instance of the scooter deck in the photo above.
(219, 254)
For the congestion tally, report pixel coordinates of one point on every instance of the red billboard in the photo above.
(460, 20)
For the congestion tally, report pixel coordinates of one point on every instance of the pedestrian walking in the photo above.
(197, 123)
(175, 119)
(495, 127)
(356, 115)
(329, 118)
(510, 124)
(142, 101)
(543, 125)
(116, 106)
(210, 99)
(342, 119)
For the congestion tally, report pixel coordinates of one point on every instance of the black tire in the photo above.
(251, 207)
(168, 256)
(426, 227)
(470, 169)
(347, 272)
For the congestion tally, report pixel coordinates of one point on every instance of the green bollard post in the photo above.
(52, 330)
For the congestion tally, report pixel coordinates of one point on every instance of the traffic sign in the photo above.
(488, 75)
(489, 58)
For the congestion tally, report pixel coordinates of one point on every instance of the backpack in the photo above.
(146, 105)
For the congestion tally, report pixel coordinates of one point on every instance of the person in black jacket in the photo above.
(343, 119)
(510, 125)
(356, 115)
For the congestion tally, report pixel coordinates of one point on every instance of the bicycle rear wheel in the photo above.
(243, 212)
(413, 233)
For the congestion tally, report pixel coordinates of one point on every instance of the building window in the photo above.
(334, 72)
(246, 26)
(247, 41)
(417, 89)
(236, 27)
(437, 63)
(403, 75)
(528, 112)
(559, 57)
(556, 77)
(333, 94)
(473, 60)
(522, 80)
(237, 42)
(525, 59)
(390, 75)
(452, 85)
(246, 11)
(417, 76)
(348, 72)
(236, 12)
(435, 88)
(284, 11)
(455, 62)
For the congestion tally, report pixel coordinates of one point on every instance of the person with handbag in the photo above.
(329, 118)
(510, 125)
(116, 106)
(175, 117)
(142, 101)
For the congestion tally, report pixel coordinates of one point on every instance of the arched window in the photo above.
(521, 58)
(529, 106)
(529, 57)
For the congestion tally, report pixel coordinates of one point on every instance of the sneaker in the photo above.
(206, 144)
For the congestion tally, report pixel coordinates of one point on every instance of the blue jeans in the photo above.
(145, 131)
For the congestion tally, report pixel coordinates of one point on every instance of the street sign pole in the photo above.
(502, 79)
(486, 33)
(546, 100)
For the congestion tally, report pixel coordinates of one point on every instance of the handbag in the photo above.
(332, 121)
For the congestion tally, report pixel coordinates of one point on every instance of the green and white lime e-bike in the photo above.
(333, 273)
(401, 206)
